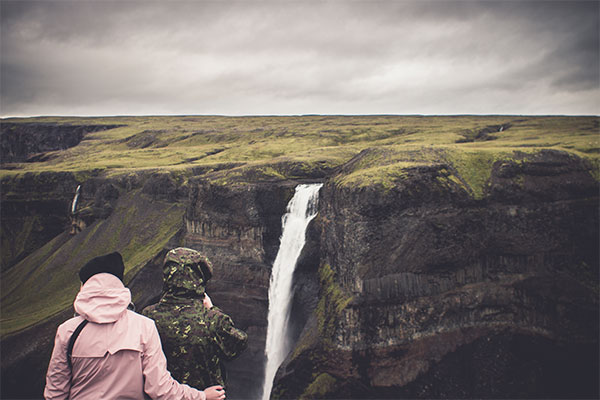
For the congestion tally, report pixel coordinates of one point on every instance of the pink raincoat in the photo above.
(118, 354)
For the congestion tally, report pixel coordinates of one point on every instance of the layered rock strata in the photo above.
(437, 295)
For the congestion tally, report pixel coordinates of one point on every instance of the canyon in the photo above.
(421, 276)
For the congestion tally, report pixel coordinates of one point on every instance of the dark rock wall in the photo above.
(35, 209)
(453, 297)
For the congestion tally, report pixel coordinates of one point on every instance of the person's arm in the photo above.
(231, 341)
(158, 382)
(58, 377)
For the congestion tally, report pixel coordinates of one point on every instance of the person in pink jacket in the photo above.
(118, 354)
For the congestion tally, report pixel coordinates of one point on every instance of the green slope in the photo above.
(46, 282)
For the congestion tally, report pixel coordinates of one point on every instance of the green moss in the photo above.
(456, 181)
(84, 175)
(475, 168)
(384, 176)
(595, 168)
(385, 166)
(320, 387)
(278, 169)
(332, 301)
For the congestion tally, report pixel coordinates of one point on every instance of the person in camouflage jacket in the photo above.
(196, 335)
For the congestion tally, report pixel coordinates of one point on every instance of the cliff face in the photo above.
(238, 228)
(438, 295)
(34, 210)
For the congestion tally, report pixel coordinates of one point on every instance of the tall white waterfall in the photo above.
(300, 211)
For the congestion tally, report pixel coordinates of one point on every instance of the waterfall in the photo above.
(300, 211)
(74, 204)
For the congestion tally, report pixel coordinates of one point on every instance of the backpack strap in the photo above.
(74, 336)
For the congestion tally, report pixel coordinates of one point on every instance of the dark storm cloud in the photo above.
(249, 57)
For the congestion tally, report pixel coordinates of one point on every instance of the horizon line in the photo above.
(295, 115)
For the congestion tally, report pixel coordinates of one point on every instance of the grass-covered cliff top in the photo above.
(235, 144)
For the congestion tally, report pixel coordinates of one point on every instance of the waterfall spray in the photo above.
(300, 211)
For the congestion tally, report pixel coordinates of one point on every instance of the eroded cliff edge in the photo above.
(426, 292)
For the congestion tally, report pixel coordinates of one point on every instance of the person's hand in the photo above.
(214, 392)
(207, 301)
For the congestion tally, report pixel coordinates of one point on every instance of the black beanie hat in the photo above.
(110, 263)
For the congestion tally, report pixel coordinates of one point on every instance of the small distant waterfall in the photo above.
(300, 211)
(74, 203)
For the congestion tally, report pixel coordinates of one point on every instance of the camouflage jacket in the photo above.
(195, 339)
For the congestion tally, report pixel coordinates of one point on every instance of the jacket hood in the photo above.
(183, 280)
(102, 299)
(185, 273)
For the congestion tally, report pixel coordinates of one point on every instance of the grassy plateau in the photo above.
(181, 143)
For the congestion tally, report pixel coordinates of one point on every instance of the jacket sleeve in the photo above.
(231, 341)
(158, 382)
(58, 377)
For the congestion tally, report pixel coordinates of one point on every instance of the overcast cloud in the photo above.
(299, 57)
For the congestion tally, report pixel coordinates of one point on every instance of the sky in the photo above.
(95, 58)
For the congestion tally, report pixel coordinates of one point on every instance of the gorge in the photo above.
(438, 265)
(301, 210)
